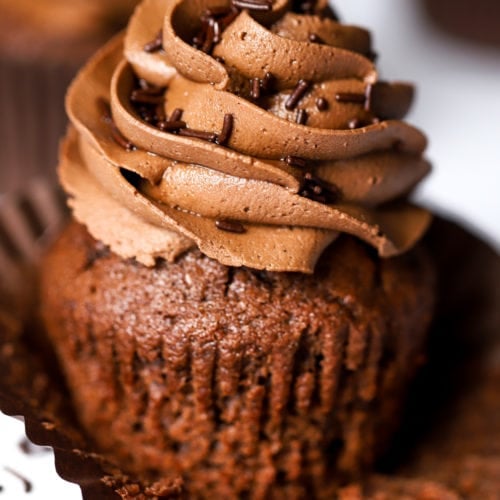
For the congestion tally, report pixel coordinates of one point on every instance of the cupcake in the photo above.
(478, 22)
(241, 299)
(42, 45)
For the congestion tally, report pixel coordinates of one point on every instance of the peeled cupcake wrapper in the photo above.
(29, 388)
(32, 119)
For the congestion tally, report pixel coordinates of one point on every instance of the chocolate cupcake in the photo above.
(42, 45)
(478, 22)
(246, 301)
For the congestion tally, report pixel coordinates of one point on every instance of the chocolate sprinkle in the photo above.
(294, 98)
(267, 81)
(321, 104)
(301, 117)
(258, 5)
(120, 139)
(198, 134)
(160, 112)
(230, 226)
(255, 88)
(214, 21)
(176, 115)
(171, 125)
(356, 123)
(350, 97)
(230, 17)
(28, 448)
(295, 161)
(209, 41)
(26, 483)
(146, 97)
(156, 44)
(115, 132)
(314, 38)
(318, 190)
(227, 129)
(368, 97)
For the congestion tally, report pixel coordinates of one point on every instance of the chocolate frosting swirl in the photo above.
(299, 139)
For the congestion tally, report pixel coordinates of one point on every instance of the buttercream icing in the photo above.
(257, 134)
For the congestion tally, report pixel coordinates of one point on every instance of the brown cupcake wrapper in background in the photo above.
(32, 119)
(470, 273)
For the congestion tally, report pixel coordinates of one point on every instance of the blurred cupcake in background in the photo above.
(42, 44)
(478, 21)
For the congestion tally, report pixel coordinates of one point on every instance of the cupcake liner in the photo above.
(31, 386)
(32, 120)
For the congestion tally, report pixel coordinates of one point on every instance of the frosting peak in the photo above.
(252, 129)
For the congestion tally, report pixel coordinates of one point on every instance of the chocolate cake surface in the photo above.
(238, 382)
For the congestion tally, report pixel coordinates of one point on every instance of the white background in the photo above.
(458, 106)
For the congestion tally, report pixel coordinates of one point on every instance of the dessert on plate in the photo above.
(242, 298)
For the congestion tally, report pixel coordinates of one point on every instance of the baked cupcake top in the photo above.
(256, 130)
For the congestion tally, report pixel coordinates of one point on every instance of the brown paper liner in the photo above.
(456, 387)
(32, 120)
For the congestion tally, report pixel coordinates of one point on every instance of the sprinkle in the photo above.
(147, 114)
(156, 44)
(356, 123)
(217, 31)
(214, 12)
(314, 38)
(349, 97)
(255, 88)
(213, 22)
(160, 115)
(176, 115)
(198, 134)
(259, 5)
(297, 94)
(146, 97)
(301, 117)
(227, 129)
(321, 104)
(115, 132)
(295, 161)
(28, 448)
(120, 139)
(26, 483)
(267, 81)
(209, 42)
(318, 190)
(230, 17)
(171, 125)
(368, 97)
(231, 226)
